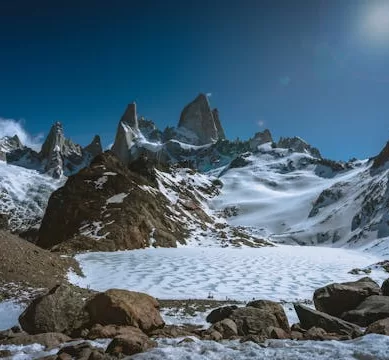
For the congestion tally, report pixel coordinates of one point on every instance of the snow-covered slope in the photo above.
(24, 195)
(294, 198)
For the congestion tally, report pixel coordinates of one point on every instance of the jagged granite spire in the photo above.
(382, 157)
(219, 128)
(94, 148)
(57, 151)
(198, 118)
(127, 132)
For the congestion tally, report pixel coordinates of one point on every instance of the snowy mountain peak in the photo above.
(198, 118)
(9, 144)
(299, 145)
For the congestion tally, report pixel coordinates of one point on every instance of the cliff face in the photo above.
(198, 118)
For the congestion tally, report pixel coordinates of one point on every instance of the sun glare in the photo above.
(375, 22)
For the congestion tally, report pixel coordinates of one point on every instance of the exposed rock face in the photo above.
(108, 207)
(312, 318)
(382, 157)
(4, 222)
(374, 308)
(61, 310)
(299, 145)
(335, 299)
(127, 308)
(198, 118)
(260, 138)
(9, 144)
(127, 132)
(218, 124)
(227, 328)
(94, 148)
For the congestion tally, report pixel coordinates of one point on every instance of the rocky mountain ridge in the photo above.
(343, 203)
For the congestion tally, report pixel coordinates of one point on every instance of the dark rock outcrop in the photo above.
(299, 145)
(382, 157)
(199, 119)
(372, 309)
(48, 340)
(127, 132)
(109, 203)
(335, 299)
(126, 308)
(220, 314)
(260, 138)
(94, 148)
(310, 318)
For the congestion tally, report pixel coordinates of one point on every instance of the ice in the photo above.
(286, 273)
(9, 314)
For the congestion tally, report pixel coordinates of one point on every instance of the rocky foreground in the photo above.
(132, 321)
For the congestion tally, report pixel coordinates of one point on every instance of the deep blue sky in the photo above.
(314, 68)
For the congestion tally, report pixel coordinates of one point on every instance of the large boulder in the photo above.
(253, 321)
(335, 299)
(61, 310)
(374, 308)
(273, 308)
(310, 318)
(126, 308)
(198, 119)
(227, 328)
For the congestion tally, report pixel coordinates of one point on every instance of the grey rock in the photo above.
(335, 299)
(372, 309)
(312, 318)
(299, 145)
(198, 118)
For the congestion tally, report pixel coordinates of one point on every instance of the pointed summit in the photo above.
(94, 148)
(127, 132)
(199, 119)
(382, 157)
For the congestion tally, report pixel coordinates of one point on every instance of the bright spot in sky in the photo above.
(375, 22)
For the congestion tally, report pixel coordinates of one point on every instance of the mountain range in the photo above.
(190, 185)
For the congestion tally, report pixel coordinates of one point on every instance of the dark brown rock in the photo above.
(374, 308)
(312, 318)
(335, 299)
(220, 314)
(61, 310)
(130, 344)
(176, 331)
(125, 308)
(379, 327)
(5, 354)
(274, 308)
(253, 321)
(82, 351)
(127, 206)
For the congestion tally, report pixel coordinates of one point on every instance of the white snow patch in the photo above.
(99, 183)
(117, 199)
(9, 314)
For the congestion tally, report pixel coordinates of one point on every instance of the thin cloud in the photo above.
(261, 123)
(11, 127)
(209, 94)
(285, 80)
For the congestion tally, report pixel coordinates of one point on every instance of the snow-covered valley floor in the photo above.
(286, 273)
